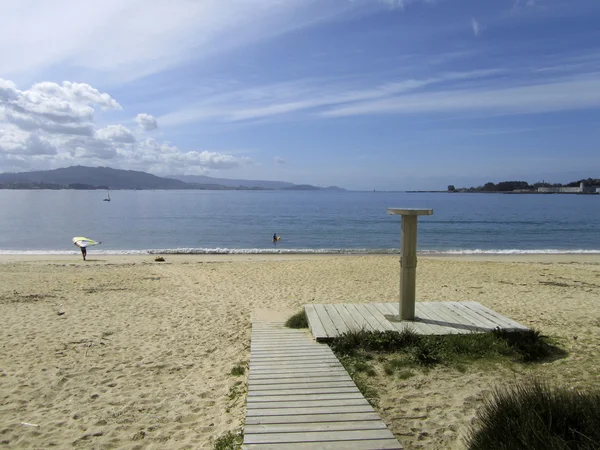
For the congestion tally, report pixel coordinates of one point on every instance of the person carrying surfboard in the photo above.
(274, 238)
(83, 243)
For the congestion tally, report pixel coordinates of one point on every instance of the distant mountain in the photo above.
(91, 177)
(203, 179)
(82, 177)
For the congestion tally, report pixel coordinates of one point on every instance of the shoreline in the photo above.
(593, 258)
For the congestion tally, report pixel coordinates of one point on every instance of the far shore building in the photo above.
(581, 189)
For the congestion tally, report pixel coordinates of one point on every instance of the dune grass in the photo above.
(298, 320)
(532, 415)
(411, 349)
(229, 441)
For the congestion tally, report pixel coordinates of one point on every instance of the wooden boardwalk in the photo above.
(328, 321)
(300, 397)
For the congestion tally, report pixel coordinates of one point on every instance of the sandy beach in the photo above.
(125, 352)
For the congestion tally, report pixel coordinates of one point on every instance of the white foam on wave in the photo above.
(513, 251)
(280, 251)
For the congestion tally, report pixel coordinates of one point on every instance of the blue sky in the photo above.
(363, 94)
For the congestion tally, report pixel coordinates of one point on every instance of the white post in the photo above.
(408, 259)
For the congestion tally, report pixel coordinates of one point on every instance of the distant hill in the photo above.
(93, 177)
(82, 177)
(203, 179)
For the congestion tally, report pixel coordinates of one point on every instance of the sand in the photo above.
(124, 352)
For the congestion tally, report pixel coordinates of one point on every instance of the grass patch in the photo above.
(229, 441)
(298, 320)
(238, 370)
(412, 349)
(532, 415)
(405, 374)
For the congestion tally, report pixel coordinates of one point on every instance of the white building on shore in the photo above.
(581, 189)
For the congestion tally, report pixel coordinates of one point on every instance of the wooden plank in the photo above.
(483, 314)
(479, 327)
(383, 444)
(276, 371)
(306, 391)
(280, 331)
(492, 316)
(339, 322)
(330, 328)
(299, 404)
(277, 340)
(297, 334)
(442, 318)
(360, 319)
(299, 394)
(317, 436)
(312, 426)
(314, 322)
(347, 317)
(415, 325)
(324, 378)
(261, 350)
(295, 367)
(497, 316)
(482, 320)
(293, 356)
(304, 397)
(460, 321)
(290, 360)
(285, 351)
(301, 386)
(313, 418)
(309, 410)
(375, 318)
(303, 374)
(431, 320)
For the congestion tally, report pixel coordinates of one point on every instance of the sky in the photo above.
(361, 94)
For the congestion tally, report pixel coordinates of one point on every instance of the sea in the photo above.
(330, 222)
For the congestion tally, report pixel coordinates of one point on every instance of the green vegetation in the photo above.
(298, 320)
(531, 415)
(238, 370)
(229, 441)
(509, 186)
(364, 353)
(408, 349)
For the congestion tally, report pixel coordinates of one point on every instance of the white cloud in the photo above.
(475, 26)
(28, 145)
(129, 39)
(78, 93)
(123, 40)
(165, 159)
(66, 109)
(51, 125)
(81, 149)
(301, 96)
(394, 4)
(279, 160)
(116, 133)
(146, 122)
(567, 95)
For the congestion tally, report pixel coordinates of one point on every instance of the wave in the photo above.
(307, 251)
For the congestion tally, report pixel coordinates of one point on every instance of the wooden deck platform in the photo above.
(329, 321)
(300, 397)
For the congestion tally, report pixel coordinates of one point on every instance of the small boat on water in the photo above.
(107, 199)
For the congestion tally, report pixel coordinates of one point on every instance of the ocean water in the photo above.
(43, 222)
